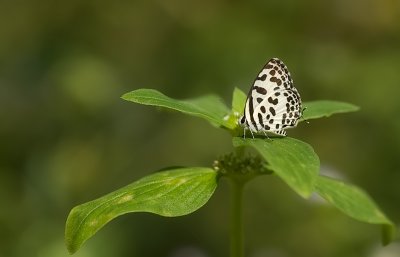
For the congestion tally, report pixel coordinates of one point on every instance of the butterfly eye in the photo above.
(242, 120)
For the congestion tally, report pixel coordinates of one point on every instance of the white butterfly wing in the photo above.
(273, 103)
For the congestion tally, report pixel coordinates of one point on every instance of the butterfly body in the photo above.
(273, 104)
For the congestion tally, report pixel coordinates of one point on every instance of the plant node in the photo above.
(240, 166)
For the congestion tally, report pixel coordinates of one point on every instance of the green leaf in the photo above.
(325, 108)
(294, 161)
(238, 100)
(169, 193)
(354, 202)
(209, 107)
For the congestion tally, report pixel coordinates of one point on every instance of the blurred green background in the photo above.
(66, 137)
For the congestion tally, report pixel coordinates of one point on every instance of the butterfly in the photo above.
(273, 104)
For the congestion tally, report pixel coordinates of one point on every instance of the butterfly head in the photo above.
(242, 121)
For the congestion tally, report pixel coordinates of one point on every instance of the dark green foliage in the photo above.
(182, 191)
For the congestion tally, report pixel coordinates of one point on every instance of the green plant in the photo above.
(180, 191)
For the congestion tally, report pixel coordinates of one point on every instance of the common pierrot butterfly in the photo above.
(273, 104)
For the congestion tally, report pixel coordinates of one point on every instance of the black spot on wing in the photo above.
(251, 111)
(273, 101)
(260, 119)
(261, 90)
(262, 78)
(281, 132)
(272, 110)
(287, 107)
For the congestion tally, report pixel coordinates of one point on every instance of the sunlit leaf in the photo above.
(294, 161)
(238, 100)
(209, 107)
(169, 193)
(354, 202)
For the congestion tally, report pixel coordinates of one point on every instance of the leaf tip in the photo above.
(72, 249)
(354, 108)
(125, 96)
(71, 239)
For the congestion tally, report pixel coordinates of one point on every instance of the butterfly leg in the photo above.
(252, 133)
(302, 111)
(266, 135)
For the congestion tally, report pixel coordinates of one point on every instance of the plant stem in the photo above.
(236, 232)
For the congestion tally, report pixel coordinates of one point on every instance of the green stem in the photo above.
(236, 232)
